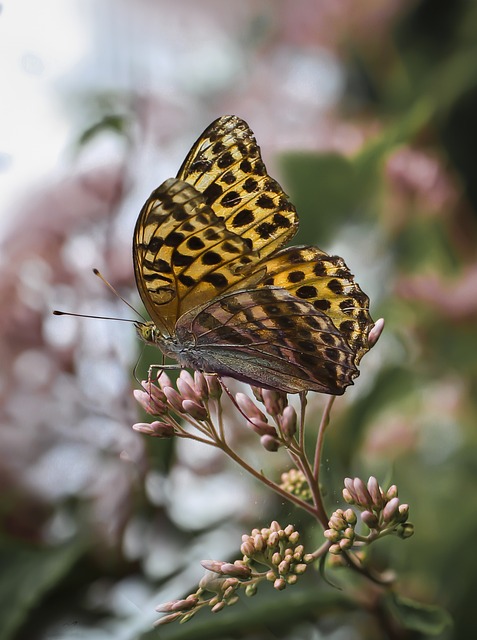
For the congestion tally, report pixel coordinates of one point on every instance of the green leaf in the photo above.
(27, 573)
(425, 618)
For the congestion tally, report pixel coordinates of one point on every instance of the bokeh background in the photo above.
(366, 112)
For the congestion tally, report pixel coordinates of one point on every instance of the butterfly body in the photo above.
(223, 294)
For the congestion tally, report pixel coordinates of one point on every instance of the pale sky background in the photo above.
(35, 52)
(54, 51)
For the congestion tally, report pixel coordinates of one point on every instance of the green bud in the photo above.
(350, 516)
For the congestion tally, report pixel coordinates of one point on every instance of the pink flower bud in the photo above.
(152, 399)
(247, 406)
(167, 619)
(201, 385)
(187, 392)
(369, 519)
(349, 485)
(375, 332)
(390, 509)
(213, 565)
(155, 429)
(163, 379)
(289, 420)
(274, 401)
(262, 428)
(173, 398)
(194, 409)
(187, 377)
(237, 571)
(279, 584)
(375, 492)
(247, 549)
(269, 443)
(178, 605)
(362, 493)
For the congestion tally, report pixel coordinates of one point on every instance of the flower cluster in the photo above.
(189, 400)
(271, 554)
(194, 400)
(380, 511)
(295, 482)
(272, 436)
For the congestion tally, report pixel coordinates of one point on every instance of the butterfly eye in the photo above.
(146, 331)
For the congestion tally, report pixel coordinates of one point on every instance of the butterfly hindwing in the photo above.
(269, 338)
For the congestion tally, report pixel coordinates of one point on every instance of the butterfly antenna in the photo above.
(116, 293)
(83, 315)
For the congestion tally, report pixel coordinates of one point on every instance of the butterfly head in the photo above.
(147, 331)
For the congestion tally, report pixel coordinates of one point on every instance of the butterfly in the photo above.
(224, 295)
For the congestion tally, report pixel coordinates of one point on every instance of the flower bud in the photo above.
(259, 542)
(218, 607)
(200, 384)
(403, 512)
(163, 379)
(294, 537)
(262, 428)
(405, 530)
(195, 410)
(337, 522)
(349, 533)
(289, 420)
(375, 492)
(392, 492)
(156, 429)
(350, 516)
(152, 400)
(279, 584)
(370, 520)
(345, 543)
(269, 443)
(273, 539)
(291, 578)
(332, 535)
(250, 590)
(249, 408)
(349, 485)
(214, 386)
(236, 570)
(299, 569)
(173, 398)
(335, 549)
(348, 497)
(167, 619)
(247, 548)
(390, 509)
(362, 493)
(185, 389)
(375, 332)
(274, 401)
(283, 567)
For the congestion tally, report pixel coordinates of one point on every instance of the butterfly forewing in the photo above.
(226, 166)
(184, 254)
